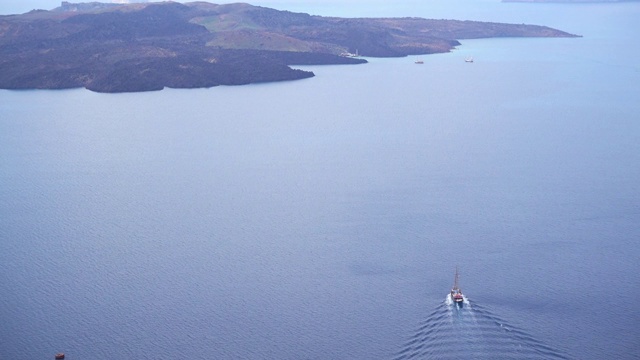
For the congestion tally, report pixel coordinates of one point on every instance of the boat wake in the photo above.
(472, 332)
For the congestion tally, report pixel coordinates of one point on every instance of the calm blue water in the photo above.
(324, 218)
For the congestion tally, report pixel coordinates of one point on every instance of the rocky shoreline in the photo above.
(150, 46)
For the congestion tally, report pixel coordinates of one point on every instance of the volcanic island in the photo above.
(107, 47)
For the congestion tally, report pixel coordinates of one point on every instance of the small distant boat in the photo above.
(469, 60)
(456, 293)
(419, 62)
(59, 356)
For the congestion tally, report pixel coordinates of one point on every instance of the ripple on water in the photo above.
(472, 332)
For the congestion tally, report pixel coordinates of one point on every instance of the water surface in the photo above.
(323, 218)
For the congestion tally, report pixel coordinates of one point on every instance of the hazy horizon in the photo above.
(28, 5)
(478, 10)
(314, 7)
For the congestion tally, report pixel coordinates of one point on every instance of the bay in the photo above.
(324, 218)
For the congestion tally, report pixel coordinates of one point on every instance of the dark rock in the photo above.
(143, 47)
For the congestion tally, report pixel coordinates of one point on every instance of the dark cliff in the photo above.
(140, 47)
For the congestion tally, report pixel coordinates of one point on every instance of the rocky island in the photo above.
(149, 46)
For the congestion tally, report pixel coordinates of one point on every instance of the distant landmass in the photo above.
(133, 46)
(570, 1)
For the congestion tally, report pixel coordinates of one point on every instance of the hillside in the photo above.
(149, 46)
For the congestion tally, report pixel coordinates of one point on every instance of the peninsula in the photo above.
(149, 46)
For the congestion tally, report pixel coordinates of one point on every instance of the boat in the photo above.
(60, 356)
(419, 61)
(456, 293)
(469, 60)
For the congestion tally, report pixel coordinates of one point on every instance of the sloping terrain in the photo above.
(140, 47)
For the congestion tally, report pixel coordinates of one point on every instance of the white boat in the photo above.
(469, 59)
(456, 293)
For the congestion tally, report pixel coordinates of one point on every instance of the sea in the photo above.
(325, 218)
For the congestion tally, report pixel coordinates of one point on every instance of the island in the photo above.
(570, 1)
(107, 47)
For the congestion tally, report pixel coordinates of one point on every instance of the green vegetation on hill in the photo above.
(141, 47)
